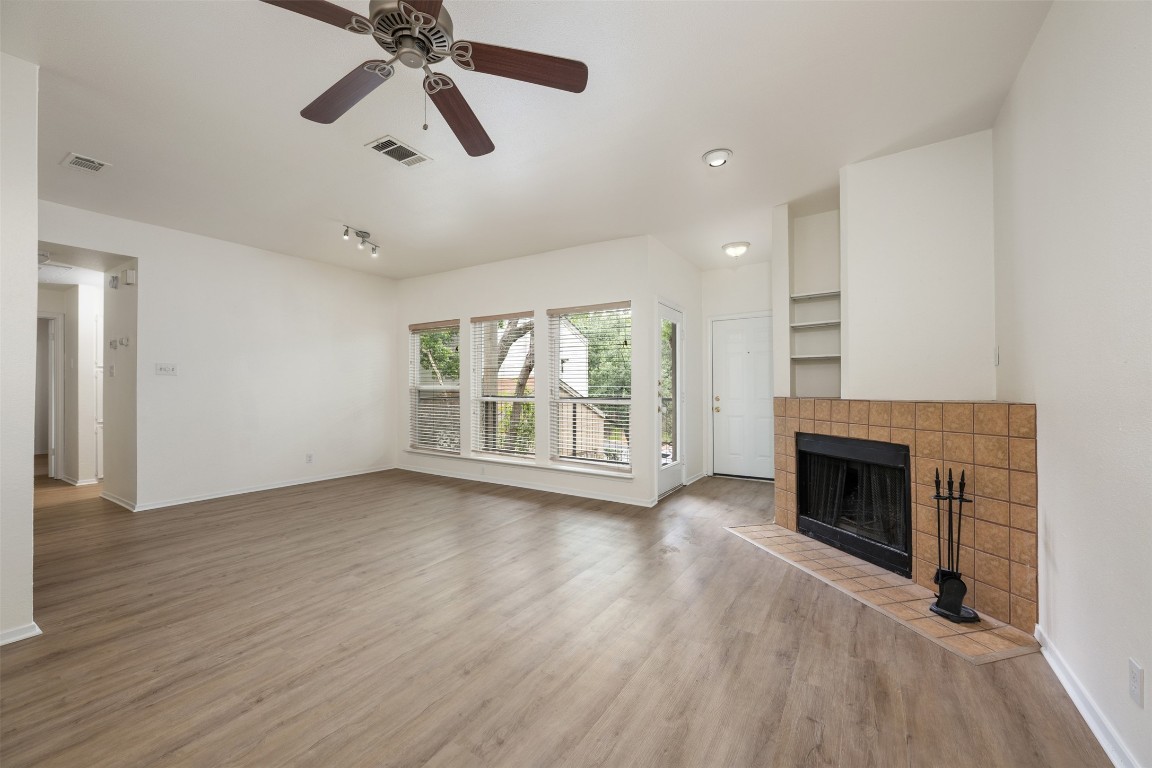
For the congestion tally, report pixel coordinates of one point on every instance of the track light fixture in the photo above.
(363, 237)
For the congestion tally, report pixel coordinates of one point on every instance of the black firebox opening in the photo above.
(856, 495)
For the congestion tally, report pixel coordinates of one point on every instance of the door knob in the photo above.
(716, 409)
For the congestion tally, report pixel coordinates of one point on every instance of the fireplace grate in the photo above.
(856, 495)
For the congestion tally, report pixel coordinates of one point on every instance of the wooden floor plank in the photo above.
(399, 619)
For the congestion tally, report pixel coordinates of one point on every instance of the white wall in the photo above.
(781, 292)
(18, 237)
(1074, 324)
(52, 298)
(736, 290)
(120, 367)
(917, 275)
(816, 253)
(276, 357)
(43, 387)
(590, 274)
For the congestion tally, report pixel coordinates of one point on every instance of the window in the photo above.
(504, 384)
(591, 397)
(434, 386)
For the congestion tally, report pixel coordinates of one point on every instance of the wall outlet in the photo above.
(111, 371)
(307, 458)
(1136, 682)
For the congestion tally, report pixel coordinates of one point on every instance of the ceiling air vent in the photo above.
(397, 150)
(82, 163)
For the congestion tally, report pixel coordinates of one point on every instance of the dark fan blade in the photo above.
(321, 10)
(430, 7)
(461, 119)
(348, 92)
(551, 71)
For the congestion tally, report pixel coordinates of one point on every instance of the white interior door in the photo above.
(742, 425)
(669, 397)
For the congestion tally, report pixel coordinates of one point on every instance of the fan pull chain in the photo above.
(425, 110)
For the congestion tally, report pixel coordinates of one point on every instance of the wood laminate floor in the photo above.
(398, 619)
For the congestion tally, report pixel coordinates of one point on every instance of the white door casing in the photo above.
(669, 400)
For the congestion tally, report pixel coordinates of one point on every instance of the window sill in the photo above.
(553, 466)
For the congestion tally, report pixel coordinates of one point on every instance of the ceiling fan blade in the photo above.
(321, 10)
(347, 92)
(538, 68)
(459, 116)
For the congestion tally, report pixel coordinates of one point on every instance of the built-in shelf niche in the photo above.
(815, 344)
(814, 305)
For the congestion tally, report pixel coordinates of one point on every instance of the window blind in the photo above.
(591, 393)
(434, 386)
(504, 384)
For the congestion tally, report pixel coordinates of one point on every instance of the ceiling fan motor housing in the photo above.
(415, 47)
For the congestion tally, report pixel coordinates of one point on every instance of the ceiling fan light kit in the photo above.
(418, 33)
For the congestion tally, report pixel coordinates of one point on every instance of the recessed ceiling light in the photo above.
(717, 157)
(736, 250)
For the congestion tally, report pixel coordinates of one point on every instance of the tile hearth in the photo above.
(902, 599)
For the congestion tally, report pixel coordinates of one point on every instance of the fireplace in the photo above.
(855, 494)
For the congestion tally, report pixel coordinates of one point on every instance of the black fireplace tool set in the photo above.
(950, 601)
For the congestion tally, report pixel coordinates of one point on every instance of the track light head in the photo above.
(345, 233)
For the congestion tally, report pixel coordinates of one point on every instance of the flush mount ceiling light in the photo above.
(736, 250)
(363, 236)
(716, 157)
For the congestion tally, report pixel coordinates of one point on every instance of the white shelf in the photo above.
(816, 324)
(812, 296)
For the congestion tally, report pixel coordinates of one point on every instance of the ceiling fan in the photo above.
(418, 33)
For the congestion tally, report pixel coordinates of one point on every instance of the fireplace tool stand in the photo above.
(950, 601)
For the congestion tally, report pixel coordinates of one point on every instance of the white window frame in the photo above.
(447, 440)
(481, 401)
(560, 395)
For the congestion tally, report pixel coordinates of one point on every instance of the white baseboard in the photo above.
(19, 633)
(546, 487)
(694, 478)
(128, 505)
(149, 505)
(1113, 745)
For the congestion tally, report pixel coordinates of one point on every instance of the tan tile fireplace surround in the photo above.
(995, 443)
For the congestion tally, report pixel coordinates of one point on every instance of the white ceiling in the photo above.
(56, 274)
(97, 261)
(195, 105)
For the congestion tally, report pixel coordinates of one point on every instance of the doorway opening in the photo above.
(71, 377)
